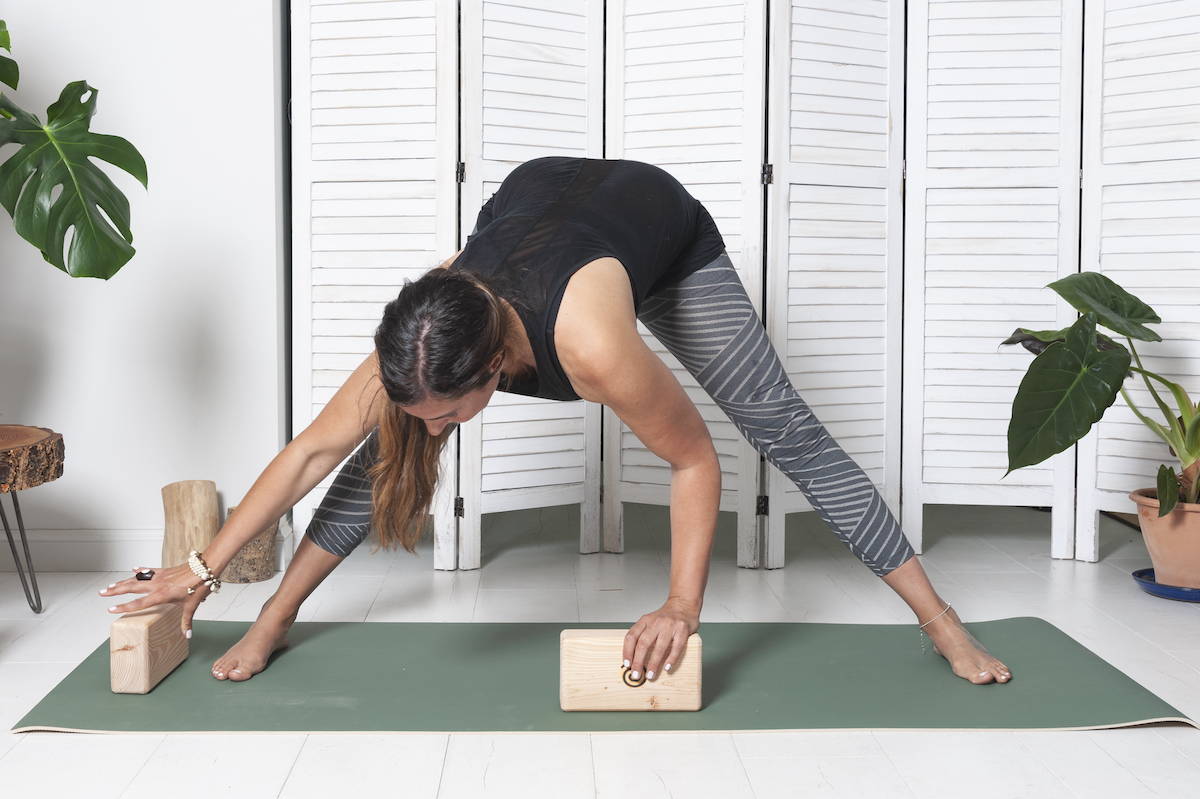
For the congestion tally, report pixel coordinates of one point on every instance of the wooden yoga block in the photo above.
(591, 677)
(191, 518)
(145, 646)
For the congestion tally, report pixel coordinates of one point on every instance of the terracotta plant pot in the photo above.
(1173, 541)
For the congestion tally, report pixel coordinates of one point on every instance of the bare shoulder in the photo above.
(595, 318)
(446, 263)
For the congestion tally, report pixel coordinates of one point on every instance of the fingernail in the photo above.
(110, 585)
(635, 674)
(667, 667)
(101, 591)
(649, 675)
(114, 607)
(187, 633)
(626, 664)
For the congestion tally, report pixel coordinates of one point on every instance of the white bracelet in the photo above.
(201, 570)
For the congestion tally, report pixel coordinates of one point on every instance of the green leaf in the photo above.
(1113, 306)
(10, 73)
(1191, 436)
(1036, 341)
(1168, 490)
(1065, 391)
(51, 187)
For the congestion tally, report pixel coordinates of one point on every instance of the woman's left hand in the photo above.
(658, 638)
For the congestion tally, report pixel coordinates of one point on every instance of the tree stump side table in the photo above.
(29, 456)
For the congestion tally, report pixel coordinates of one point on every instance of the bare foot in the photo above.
(967, 657)
(249, 656)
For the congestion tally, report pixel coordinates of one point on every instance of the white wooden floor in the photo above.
(989, 562)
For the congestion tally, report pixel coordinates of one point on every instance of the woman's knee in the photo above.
(343, 519)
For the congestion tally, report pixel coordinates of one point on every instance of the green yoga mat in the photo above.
(503, 677)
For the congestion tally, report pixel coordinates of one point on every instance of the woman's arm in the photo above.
(616, 368)
(345, 421)
(641, 390)
(306, 460)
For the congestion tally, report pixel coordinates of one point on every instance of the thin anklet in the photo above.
(924, 636)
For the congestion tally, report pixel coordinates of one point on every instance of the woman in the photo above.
(543, 300)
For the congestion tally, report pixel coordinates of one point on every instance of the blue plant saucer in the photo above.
(1145, 578)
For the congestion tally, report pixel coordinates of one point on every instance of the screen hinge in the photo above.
(458, 506)
(904, 169)
(760, 508)
(460, 172)
(768, 174)
(1081, 178)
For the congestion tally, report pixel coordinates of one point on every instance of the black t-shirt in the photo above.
(553, 215)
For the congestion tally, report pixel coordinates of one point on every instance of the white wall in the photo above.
(174, 369)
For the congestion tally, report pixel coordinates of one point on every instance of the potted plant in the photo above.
(66, 206)
(1075, 377)
(50, 186)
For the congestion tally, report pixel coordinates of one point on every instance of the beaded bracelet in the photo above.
(201, 570)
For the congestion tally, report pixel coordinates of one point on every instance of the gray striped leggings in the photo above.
(709, 324)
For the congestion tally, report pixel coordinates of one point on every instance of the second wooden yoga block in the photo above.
(145, 646)
(591, 676)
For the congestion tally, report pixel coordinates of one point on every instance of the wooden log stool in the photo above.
(191, 518)
(29, 456)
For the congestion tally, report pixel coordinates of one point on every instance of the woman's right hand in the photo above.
(168, 584)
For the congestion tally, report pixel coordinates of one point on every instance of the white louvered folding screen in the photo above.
(834, 265)
(1141, 226)
(532, 85)
(685, 92)
(374, 196)
(992, 210)
(992, 206)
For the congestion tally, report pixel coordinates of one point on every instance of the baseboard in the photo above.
(108, 550)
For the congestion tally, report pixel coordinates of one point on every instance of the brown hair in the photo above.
(437, 340)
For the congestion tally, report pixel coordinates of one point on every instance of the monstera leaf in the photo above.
(1065, 391)
(9, 73)
(51, 187)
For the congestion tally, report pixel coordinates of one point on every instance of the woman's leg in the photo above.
(708, 322)
(340, 523)
(308, 567)
(343, 519)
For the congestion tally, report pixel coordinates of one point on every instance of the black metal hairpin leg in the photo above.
(34, 598)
